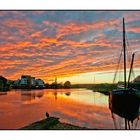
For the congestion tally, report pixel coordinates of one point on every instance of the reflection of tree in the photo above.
(55, 94)
(39, 95)
(3, 93)
(67, 93)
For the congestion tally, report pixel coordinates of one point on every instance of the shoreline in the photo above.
(52, 123)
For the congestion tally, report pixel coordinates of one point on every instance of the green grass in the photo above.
(103, 88)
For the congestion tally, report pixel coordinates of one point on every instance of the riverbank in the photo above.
(103, 88)
(52, 123)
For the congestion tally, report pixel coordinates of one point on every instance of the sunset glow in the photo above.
(78, 108)
(80, 46)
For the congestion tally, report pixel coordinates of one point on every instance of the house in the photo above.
(40, 83)
(28, 82)
(33, 81)
(3, 84)
(25, 81)
(16, 82)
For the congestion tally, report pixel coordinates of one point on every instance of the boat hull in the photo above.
(125, 103)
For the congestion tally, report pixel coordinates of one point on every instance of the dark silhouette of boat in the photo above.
(125, 101)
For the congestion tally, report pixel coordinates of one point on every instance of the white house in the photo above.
(40, 83)
(33, 81)
(28, 81)
(25, 80)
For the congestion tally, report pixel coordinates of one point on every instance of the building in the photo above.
(25, 81)
(16, 83)
(3, 84)
(33, 81)
(29, 82)
(40, 83)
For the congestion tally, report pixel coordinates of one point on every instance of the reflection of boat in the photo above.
(125, 101)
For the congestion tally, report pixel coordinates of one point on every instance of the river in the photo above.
(81, 107)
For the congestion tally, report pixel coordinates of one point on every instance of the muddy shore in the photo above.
(52, 123)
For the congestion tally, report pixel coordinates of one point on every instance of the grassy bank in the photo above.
(103, 88)
(52, 123)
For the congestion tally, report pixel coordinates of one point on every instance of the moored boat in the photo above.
(125, 101)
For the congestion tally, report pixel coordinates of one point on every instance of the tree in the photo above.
(67, 84)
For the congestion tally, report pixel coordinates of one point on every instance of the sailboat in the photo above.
(125, 102)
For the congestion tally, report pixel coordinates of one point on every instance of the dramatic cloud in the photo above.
(46, 44)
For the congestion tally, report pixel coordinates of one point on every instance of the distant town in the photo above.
(29, 82)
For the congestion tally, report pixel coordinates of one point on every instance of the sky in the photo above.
(79, 46)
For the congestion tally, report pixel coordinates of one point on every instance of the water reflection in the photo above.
(119, 122)
(76, 106)
(55, 94)
(27, 96)
(3, 93)
(67, 93)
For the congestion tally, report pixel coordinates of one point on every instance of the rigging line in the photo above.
(117, 67)
(128, 44)
(128, 55)
(120, 71)
(129, 61)
(131, 52)
(129, 58)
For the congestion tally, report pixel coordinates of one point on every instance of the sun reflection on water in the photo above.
(81, 107)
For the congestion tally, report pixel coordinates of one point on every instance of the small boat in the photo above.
(125, 101)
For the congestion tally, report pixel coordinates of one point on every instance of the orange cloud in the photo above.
(134, 29)
(48, 48)
(73, 28)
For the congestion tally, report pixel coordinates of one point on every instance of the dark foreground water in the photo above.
(80, 107)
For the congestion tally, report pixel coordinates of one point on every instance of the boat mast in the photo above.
(124, 50)
(131, 66)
